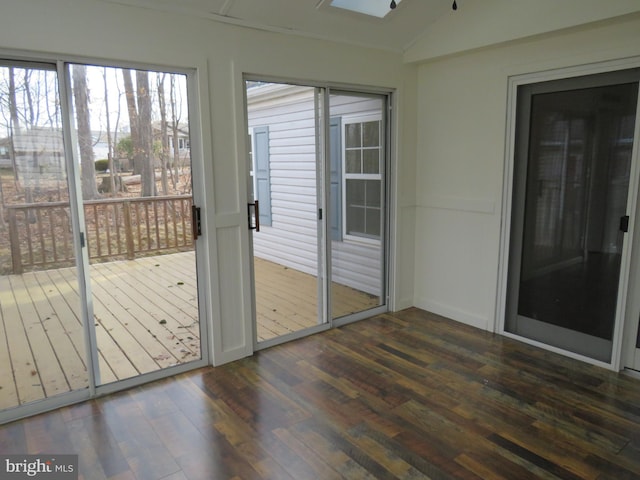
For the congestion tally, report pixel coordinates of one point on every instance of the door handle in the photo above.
(624, 223)
(196, 224)
(256, 212)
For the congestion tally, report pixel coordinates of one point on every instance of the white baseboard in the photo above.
(459, 315)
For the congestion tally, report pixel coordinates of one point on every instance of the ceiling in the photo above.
(317, 19)
(419, 29)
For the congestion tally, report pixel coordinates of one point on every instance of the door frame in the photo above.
(61, 63)
(203, 273)
(323, 119)
(625, 293)
(631, 329)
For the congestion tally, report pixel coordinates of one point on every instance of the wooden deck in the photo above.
(146, 319)
(287, 300)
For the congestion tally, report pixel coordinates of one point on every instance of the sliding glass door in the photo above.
(284, 204)
(573, 162)
(357, 202)
(137, 198)
(42, 335)
(97, 235)
(317, 206)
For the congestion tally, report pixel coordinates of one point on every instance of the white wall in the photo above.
(486, 23)
(462, 108)
(95, 31)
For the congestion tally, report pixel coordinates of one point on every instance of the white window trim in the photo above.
(358, 118)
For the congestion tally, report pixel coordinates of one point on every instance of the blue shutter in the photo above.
(262, 173)
(335, 189)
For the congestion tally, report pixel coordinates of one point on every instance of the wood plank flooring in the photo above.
(146, 318)
(407, 395)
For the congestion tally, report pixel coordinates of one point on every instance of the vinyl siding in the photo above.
(291, 239)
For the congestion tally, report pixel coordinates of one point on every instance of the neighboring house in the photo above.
(182, 137)
(101, 144)
(36, 149)
(283, 145)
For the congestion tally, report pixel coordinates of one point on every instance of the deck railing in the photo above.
(40, 234)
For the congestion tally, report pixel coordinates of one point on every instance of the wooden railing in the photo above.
(40, 234)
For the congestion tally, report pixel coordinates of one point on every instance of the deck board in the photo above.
(64, 296)
(48, 366)
(146, 317)
(61, 329)
(22, 359)
(8, 387)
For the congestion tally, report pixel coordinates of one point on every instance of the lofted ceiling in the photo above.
(420, 29)
(316, 18)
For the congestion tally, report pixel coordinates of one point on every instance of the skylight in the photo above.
(376, 8)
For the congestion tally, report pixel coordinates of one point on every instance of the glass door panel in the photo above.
(357, 157)
(135, 157)
(575, 148)
(42, 340)
(284, 183)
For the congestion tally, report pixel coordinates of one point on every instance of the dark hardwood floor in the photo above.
(406, 395)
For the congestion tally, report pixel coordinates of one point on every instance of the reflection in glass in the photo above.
(42, 347)
(354, 162)
(357, 206)
(577, 181)
(371, 134)
(371, 163)
(353, 135)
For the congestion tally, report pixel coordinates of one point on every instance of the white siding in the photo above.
(291, 240)
(357, 265)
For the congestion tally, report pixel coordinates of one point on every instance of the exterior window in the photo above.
(362, 178)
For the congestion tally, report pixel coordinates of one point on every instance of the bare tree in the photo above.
(81, 97)
(14, 125)
(175, 121)
(164, 134)
(139, 108)
(114, 140)
(112, 179)
(32, 181)
(54, 119)
(133, 118)
(146, 134)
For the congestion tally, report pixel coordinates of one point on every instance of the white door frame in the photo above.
(630, 353)
(623, 322)
(61, 65)
(322, 95)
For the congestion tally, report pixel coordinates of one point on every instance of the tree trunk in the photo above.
(14, 126)
(175, 121)
(133, 120)
(145, 132)
(85, 142)
(112, 173)
(32, 121)
(164, 154)
(3, 225)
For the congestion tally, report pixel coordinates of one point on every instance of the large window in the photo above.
(362, 177)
